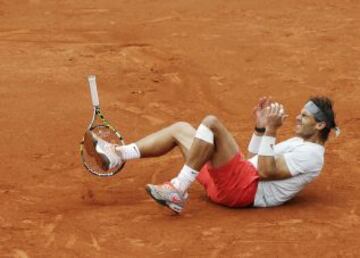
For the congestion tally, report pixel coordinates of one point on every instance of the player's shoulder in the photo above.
(309, 155)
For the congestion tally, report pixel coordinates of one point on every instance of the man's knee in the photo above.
(211, 122)
(183, 127)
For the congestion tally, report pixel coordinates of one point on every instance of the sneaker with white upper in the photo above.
(166, 194)
(103, 151)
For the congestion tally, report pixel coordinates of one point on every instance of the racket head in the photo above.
(89, 159)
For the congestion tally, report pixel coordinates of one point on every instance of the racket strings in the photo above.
(88, 153)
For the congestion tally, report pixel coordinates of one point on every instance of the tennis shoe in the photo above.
(103, 151)
(166, 194)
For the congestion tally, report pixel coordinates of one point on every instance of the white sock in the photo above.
(185, 178)
(127, 152)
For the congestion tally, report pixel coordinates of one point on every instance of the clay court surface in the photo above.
(158, 62)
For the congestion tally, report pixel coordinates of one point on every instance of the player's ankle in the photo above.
(128, 152)
(185, 178)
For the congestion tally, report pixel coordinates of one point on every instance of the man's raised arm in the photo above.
(269, 166)
(259, 112)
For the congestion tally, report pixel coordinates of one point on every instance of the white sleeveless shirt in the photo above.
(304, 160)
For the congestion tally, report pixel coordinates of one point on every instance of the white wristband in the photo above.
(254, 143)
(267, 146)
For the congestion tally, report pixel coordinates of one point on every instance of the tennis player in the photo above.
(271, 175)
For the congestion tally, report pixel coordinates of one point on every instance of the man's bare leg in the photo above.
(212, 142)
(179, 134)
(196, 152)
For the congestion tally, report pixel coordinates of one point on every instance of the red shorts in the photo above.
(233, 184)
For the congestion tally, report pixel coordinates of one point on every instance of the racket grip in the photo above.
(93, 90)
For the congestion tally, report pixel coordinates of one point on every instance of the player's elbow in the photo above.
(267, 174)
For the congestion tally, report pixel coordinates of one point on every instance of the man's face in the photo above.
(306, 126)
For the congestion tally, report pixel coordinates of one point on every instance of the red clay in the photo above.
(159, 62)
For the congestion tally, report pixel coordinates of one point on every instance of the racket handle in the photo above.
(93, 90)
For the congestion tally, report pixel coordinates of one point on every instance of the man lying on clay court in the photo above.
(272, 174)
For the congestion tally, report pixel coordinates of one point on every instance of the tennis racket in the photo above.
(98, 127)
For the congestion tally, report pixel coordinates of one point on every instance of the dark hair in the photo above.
(325, 104)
